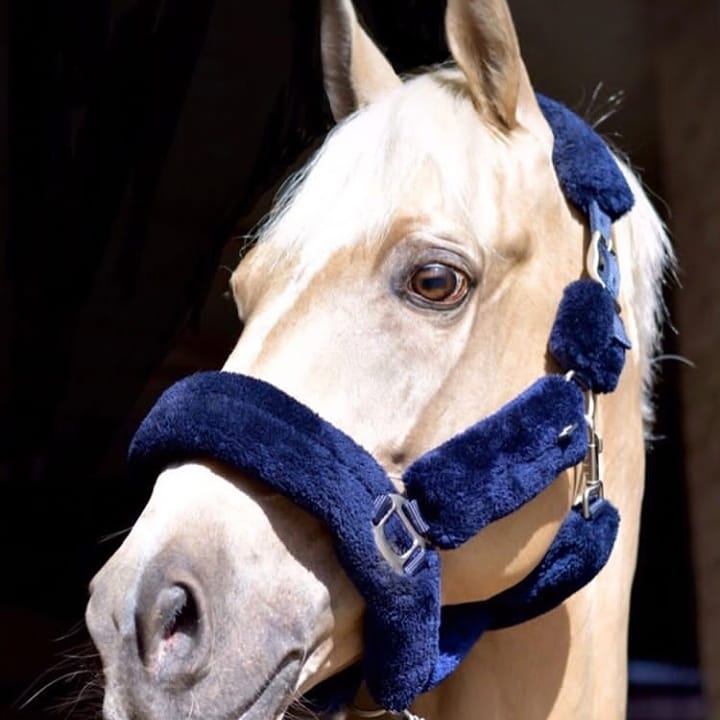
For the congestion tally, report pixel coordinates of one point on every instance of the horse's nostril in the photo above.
(171, 628)
(178, 612)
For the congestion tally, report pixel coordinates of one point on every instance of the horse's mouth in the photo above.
(275, 695)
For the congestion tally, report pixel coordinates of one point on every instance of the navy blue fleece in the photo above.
(578, 553)
(583, 337)
(583, 163)
(499, 464)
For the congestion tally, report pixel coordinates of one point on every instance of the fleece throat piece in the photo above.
(389, 544)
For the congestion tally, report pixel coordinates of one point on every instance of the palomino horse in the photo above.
(404, 288)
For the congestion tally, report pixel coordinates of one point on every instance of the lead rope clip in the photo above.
(592, 486)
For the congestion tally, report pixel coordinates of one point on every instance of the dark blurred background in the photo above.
(145, 138)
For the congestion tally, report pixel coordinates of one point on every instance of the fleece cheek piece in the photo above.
(499, 464)
(578, 553)
(587, 171)
(584, 336)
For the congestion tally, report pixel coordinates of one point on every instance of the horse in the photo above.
(403, 287)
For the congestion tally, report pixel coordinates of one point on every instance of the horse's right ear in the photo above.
(484, 44)
(355, 72)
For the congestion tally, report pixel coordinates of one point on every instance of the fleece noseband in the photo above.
(388, 543)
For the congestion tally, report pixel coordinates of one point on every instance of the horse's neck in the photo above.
(571, 662)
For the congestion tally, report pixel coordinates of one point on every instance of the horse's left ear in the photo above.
(354, 70)
(484, 44)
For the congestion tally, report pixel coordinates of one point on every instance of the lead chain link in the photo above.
(380, 712)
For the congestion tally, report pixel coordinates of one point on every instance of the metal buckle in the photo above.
(593, 492)
(595, 258)
(408, 512)
(602, 264)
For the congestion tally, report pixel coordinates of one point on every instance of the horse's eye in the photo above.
(439, 284)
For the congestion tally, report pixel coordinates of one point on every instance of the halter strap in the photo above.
(499, 464)
(257, 429)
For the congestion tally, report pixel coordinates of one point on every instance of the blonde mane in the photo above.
(354, 185)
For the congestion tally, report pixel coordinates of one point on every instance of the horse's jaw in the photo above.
(223, 602)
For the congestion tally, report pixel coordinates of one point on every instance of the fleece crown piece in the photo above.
(388, 544)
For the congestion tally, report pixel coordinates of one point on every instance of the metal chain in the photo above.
(381, 712)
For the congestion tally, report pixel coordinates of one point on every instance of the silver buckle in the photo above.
(594, 257)
(408, 513)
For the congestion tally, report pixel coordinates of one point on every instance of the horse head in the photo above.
(403, 288)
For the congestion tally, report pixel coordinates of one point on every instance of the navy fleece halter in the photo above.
(388, 544)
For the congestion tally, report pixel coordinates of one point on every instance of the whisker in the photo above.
(73, 685)
(55, 681)
(113, 535)
(677, 358)
(79, 626)
(71, 704)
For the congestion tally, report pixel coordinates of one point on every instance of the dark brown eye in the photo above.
(439, 284)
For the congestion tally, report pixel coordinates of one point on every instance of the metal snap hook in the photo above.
(593, 492)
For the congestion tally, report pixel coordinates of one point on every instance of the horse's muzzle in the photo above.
(198, 615)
